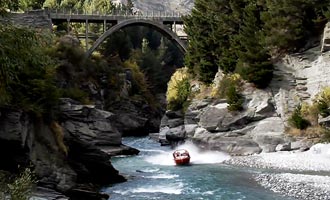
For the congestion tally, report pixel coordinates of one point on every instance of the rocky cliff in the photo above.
(260, 127)
(68, 155)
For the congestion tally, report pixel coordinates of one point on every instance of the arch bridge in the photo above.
(163, 22)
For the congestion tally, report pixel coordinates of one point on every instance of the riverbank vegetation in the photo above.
(17, 187)
(305, 119)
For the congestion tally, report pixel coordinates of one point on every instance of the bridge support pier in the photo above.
(104, 25)
(68, 26)
(174, 24)
(86, 34)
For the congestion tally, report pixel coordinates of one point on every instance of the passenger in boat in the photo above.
(176, 154)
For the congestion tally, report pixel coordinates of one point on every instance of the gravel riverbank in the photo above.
(306, 176)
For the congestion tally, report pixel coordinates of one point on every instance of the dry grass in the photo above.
(310, 132)
(204, 92)
(226, 82)
(59, 136)
(310, 112)
(295, 132)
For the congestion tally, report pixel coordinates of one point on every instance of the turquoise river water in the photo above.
(153, 175)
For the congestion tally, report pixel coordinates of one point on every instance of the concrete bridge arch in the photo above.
(140, 22)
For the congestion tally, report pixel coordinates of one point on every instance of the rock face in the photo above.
(269, 133)
(89, 124)
(209, 124)
(25, 140)
(135, 118)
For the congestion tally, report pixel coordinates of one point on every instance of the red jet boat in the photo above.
(181, 157)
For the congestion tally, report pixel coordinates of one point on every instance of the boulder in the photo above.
(174, 114)
(190, 129)
(218, 119)
(162, 135)
(89, 124)
(324, 121)
(301, 145)
(268, 133)
(199, 104)
(235, 120)
(176, 134)
(220, 142)
(233, 146)
(135, 117)
(212, 116)
(283, 147)
(90, 163)
(259, 102)
(171, 122)
(130, 124)
(326, 39)
(191, 117)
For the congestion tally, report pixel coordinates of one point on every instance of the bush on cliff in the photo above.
(18, 187)
(322, 100)
(178, 90)
(297, 120)
(234, 99)
(139, 83)
(27, 73)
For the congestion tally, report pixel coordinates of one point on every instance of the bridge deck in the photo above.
(95, 18)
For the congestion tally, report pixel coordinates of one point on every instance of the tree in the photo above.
(7, 5)
(30, 4)
(254, 62)
(234, 99)
(200, 57)
(27, 73)
(289, 24)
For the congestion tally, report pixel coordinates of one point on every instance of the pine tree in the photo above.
(288, 24)
(204, 49)
(254, 62)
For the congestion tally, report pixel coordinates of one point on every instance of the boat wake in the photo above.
(197, 156)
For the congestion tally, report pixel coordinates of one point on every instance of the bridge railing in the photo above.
(139, 14)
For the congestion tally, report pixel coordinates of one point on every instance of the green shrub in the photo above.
(297, 119)
(21, 187)
(225, 83)
(27, 73)
(183, 91)
(17, 187)
(322, 100)
(234, 99)
(139, 81)
(76, 94)
(323, 108)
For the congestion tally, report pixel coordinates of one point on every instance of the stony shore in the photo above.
(301, 175)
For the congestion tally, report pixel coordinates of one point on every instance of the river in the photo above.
(153, 175)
